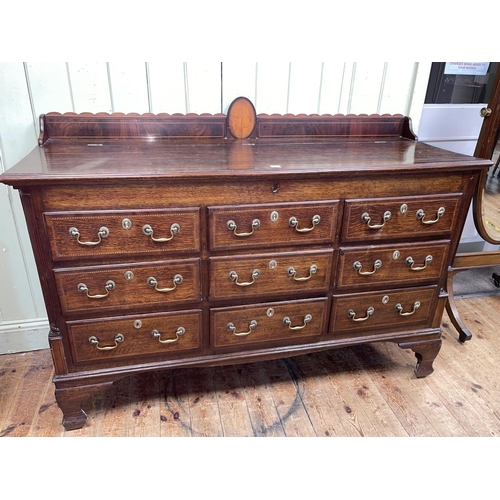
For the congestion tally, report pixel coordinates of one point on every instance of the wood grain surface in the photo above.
(359, 391)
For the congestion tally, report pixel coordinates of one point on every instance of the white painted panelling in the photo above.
(418, 95)
(469, 233)
(128, 87)
(367, 88)
(304, 88)
(450, 122)
(17, 130)
(459, 146)
(35, 291)
(20, 294)
(331, 87)
(22, 336)
(50, 88)
(454, 127)
(239, 80)
(272, 87)
(30, 89)
(489, 247)
(345, 97)
(167, 87)
(90, 87)
(204, 87)
(398, 88)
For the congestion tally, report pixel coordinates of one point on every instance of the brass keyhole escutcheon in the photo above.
(129, 275)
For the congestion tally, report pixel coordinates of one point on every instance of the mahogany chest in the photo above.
(167, 241)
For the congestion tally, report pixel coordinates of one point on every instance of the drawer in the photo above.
(269, 274)
(96, 288)
(394, 218)
(107, 339)
(247, 226)
(293, 320)
(391, 264)
(391, 309)
(77, 235)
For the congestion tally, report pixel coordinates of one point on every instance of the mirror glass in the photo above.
(491, 197)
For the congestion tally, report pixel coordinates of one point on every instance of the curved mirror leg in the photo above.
(451, 308)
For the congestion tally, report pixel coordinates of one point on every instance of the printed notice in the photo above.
(466, 68)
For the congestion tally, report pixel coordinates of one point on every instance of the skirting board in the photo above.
(29, 335)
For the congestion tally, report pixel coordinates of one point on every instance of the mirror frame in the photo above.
(488, 138)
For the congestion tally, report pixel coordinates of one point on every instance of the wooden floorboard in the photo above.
(367, 390)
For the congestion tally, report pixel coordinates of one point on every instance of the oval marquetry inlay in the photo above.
(241, 118)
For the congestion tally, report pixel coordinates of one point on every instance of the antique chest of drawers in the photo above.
(166, 241)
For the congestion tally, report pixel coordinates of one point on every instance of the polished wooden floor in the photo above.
(360, 391)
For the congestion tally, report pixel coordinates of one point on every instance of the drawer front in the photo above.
(293, 320)
(392, 309)
(77, 235)
(394, 218)
(269, 274)
(391, 264)
(133, 336)
(97, 288)
(238, 226)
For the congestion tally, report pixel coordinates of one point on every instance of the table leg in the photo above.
(70, 400)
(426, 352)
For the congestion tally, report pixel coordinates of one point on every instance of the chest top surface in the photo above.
(101, 147)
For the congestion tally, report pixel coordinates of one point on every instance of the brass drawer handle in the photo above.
(410, 262)
(421, 215)
(295, 224)
(153, 282)
(367, 219)
(376, 265)
(118, 338)
(233, 276)
(399, 309)
(351, 314)
(231, 225)
(252, 325)
(180, 331)
(102, 233)
(287, 321)
(312, 270)
(148, 231)
(110, 285)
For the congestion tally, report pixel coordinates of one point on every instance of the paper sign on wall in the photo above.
(466, 68)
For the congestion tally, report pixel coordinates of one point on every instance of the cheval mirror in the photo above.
(486, 206)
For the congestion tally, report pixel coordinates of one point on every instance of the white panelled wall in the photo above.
(30, 89)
